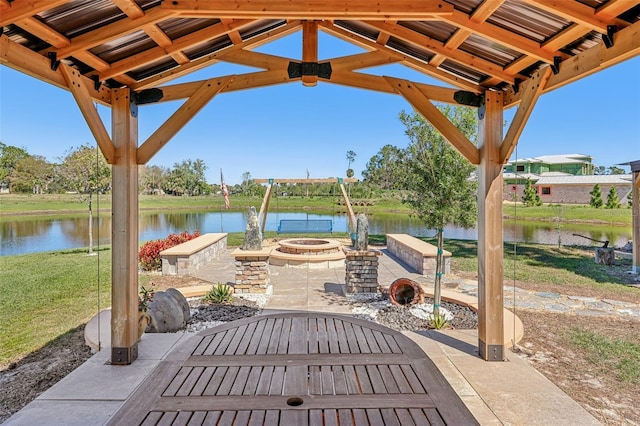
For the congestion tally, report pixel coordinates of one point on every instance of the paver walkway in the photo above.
(321, 290)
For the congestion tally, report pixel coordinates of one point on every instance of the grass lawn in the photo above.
(46, 294)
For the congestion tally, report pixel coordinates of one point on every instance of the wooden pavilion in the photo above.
(490, 54)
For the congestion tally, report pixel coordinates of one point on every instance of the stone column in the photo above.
(252, 270)
(361, 271)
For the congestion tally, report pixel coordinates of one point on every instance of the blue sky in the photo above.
(281, 131)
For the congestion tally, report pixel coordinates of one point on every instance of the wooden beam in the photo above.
(311, 9)
(213, 58)
(614, 8)
(438, 120)
(113, 31)
(500, 35)
(310, 50)
(362, 60)
(157, 53)
(490, 250)
(534, 89)
(80, 92)
(411, 62)
(130, 8)
(43, 32)
(577, 12)
(124, 232)
(380, 84)
(180, 118)
(18, 10)
(626, 45)
(432, 45)
(28, 62)
(256, 59)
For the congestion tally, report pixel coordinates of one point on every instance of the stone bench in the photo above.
(418, 254)
(186, 258)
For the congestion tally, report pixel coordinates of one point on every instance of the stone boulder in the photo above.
(169, 312)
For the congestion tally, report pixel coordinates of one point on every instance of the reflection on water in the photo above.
(45, 234)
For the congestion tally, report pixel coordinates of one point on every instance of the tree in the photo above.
(438, 179)
(246, 181)
(599, 170)
(530, 196)
(613, 170)
(351, 156)
(612, 199)
(596, 197)
(85, 171)
(187, 178)
(31, 174)
(153, 179)
(9, 156)
(385, 169)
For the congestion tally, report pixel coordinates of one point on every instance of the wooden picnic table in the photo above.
(296, 369)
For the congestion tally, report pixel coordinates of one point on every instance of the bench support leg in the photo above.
(490, 251)
(124, 232)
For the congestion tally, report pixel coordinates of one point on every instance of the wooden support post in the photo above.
(490, 251)
(310, 50)
(124, 231)
(635, 221)
(264, 208)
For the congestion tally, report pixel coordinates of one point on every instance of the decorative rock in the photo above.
(605, 255)
(362, 232)
(184, 304)
(253, 235)
(166, 312)
(548, 295)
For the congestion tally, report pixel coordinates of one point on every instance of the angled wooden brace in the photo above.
(80, 92)
(180, 118)
(534, 89)
(438, 120)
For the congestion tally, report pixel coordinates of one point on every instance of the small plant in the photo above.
(438, 321)
(220, 293)
(145, 297)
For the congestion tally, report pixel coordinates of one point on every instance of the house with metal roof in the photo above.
(566, 179)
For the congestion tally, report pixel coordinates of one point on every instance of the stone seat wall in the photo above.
(188, 257)
(418, 254)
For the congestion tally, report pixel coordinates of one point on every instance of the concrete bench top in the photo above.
(423, 247)
(194, 245)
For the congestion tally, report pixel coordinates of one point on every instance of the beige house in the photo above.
(568, 189)
(566, 179)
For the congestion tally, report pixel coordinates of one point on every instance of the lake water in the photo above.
(30, 235)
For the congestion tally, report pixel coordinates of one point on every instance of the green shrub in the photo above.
(220, 293)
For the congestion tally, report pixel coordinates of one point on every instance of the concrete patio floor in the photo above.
(510, 392)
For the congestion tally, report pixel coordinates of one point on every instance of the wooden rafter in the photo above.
(410, 62)
(78, 87)
(157, 53)
(310, 9)
(480, 14)
(130, 8)
(438, 120)
(213, 58)
(28, 62)
(186, 112)
(577, 12)
(112, 31)
(435, 46)
(626, 45)
(500, 36)
(362, 60)
(16, 10)
(534, 89)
